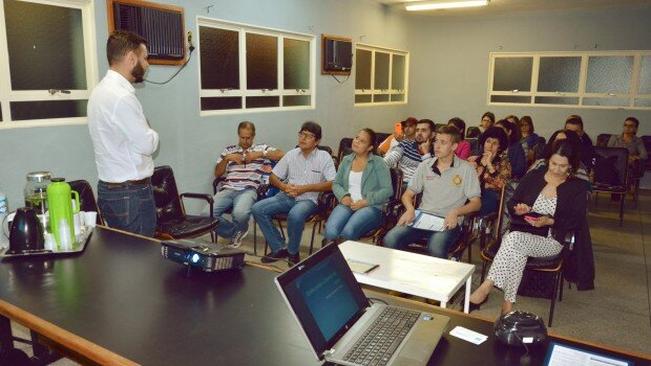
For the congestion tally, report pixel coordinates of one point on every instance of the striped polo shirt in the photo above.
(249, 175)
(295, 168)
(406, 157)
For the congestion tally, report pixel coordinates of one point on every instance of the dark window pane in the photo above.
(381, 70)
(295, 100)
(47, 109)
(606, 101)
(262, 102)
(261, 62)
(363, 98)
(296, 55)
(512, 73)
(557, 100)
(643, 102)
(41, 37)
(609, 74)
(398, 72)
(363, 69)
(220, 68)
(220, 103)
(559, 74)
(510, 99)
(645, 75)
(381, 98)
(397, 97)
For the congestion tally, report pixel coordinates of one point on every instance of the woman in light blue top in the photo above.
(362, 187)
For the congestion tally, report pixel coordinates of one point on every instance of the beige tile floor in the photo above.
(617, 312)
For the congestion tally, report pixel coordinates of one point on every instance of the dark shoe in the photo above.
(474, 306)
(274, 256)
(292, 259)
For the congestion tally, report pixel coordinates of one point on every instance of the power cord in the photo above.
(191, 49)
(340, 81)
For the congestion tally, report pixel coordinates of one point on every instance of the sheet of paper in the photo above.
(468, 335)
(568, 356)
(360, 267)
(427, 221)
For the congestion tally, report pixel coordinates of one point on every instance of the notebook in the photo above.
(343, 327)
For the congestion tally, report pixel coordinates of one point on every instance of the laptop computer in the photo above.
(343, 327)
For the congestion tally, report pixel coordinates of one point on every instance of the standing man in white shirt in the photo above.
(122, 138)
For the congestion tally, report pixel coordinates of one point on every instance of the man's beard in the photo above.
(138, 73)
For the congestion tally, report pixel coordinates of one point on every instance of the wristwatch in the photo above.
(264, 153)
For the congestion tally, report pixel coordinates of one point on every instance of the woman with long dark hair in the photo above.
(493, 168)
(515, 151)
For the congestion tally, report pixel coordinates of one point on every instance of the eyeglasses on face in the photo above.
(306, 135)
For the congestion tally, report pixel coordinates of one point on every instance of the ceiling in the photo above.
(498, 7)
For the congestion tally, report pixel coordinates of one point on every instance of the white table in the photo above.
(411, 273)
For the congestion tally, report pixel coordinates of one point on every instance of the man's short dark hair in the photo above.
(430, 123)
(450, 130)
(120, 43)
(246, 125)
(574, 119)
(313, 128)
(409, 121)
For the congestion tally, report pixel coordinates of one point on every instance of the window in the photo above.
(244, 68)
(32, 93)
(605, 79)
(380, 75)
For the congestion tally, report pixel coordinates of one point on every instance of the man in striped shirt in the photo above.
(409, 153)
(300, 175)
(244, 165)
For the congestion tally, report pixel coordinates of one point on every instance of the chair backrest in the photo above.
(503, 216)
(166, 195)
(602, 139)
(380, 137)
(473, 132)
(345, 148)
(396, 182)
(620, 157)
(87, 200)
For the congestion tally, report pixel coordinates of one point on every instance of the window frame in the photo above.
(243, 91)
(7, 95)
(390, 91)
(632, 95)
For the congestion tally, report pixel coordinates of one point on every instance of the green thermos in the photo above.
(59, 202)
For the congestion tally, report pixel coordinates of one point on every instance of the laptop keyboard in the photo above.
(382, 338)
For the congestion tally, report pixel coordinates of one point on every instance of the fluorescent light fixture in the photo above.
(445, 5)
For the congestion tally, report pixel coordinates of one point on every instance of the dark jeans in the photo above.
(128, 207)
(438, 242)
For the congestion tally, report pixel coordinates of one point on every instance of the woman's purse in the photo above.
(518, 223)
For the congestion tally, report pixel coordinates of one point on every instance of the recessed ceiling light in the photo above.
(445, 5)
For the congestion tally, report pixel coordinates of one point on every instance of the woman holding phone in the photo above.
(546, 205)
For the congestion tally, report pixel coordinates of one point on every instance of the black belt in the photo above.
(128, 183)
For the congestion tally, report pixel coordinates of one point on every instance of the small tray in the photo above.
(81, 245)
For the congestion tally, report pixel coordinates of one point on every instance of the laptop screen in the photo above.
(325, 297)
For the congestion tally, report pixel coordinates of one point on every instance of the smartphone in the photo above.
(532, 216)
(397, 128)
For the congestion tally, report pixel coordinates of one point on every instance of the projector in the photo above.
(204, 256)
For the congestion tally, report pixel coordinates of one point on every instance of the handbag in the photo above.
(518, 223)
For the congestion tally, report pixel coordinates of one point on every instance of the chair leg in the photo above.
(282, 231)
(483, 271)
(312, 240)
(553, 300)
(255, 238)
(560, 288)
(621, 209)
(213, 237)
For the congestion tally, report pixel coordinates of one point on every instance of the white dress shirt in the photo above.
(122, 139)
(295, 168)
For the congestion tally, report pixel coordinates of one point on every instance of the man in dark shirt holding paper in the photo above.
(450, 189)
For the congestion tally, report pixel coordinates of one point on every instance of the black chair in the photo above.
(173, 222)
(345, 148)
(380, 137)
(543, 276)
(473, 132)
(87, 200)
(647, 145)
(617, 158)
(602, 139)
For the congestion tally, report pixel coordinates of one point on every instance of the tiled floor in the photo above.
(617, 312)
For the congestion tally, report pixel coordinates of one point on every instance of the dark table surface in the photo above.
(122, 295)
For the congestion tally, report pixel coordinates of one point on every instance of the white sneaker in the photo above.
(236, 241)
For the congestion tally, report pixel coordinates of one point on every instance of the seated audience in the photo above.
(528, 138)
(408, 154)
(362, 187)
(446, 183)
(487, 121)
(407, 132)
(575, 123)
(463, 147)
(493, 168)
(243, 165)
(559, 200)
(557, 136)
(513, 119)
(629, 140)
(300, 175)
(515, 152)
